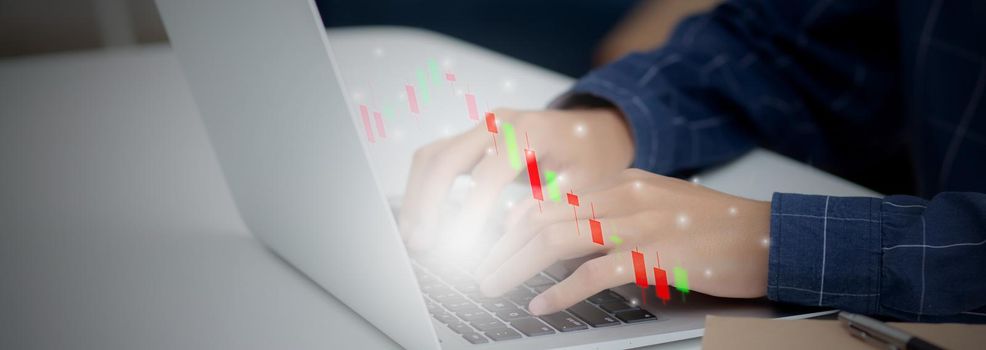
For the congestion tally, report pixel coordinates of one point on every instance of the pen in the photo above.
(881, 334)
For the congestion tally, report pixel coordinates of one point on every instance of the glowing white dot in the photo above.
(508, 85)
(459, 92)
(580, 130)
(447, 130)
(682, 221)
(561, 178)
(638, 185)
(634, 302)
(733, 211)
(708, 273)
(695, 180)
(765, 242)
(619, 269)
(490, 151)
(510, 204)
(378, 52)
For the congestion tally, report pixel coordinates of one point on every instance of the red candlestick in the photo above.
(661, 283)
(412, 98)
(364, 114)
(380, 128)
(534, 175)
(639, 269)
(597, 231)
(471, 106)
(573, 199)
(491, 123)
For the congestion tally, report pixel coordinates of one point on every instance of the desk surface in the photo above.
(117, 230)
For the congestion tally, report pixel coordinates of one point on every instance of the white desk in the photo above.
(117, 231)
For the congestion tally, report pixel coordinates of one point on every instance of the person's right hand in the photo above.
(582, 146)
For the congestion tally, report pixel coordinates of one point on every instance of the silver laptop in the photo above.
(273, 103)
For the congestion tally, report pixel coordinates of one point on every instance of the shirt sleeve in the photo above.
(744, 75)
(900, 256)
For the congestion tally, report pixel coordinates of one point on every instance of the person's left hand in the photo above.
(719, 239)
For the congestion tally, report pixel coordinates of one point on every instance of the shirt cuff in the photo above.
(825, 251)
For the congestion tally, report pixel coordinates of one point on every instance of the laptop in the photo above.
(292, 151)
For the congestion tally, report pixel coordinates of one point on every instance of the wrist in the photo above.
(756, 248)
(618, 132)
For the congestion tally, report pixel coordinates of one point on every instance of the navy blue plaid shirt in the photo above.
(889, 94)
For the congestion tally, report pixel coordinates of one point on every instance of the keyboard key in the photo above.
(519, 292)
(487, 324)
(512, 314)
(634, 316)
(521, 297)
(430, 286)
(615, 306)
(475, 338)
(540, 289)
(432, 307)
(564, 322)
(539, 280)
(558, 272)
(522, 301)
(472, 314)
(592, 315)
(460, 327)
(500, 305)
(455, 299)
(531, 327)
(466, 288)
(460, 306)
(482, 299)
(445, 298)
(438, 289)
(503, 334)
(445, 317)
(605, 297)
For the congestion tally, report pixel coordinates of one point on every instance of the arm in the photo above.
(898, 256)
(648, 25)
(749, 73)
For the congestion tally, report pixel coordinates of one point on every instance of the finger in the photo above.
(431, 177)
(517, 212)
(587, 195)
(590, 278)
(515, 238)
(554, 243)
(490, 176)
(610, 202)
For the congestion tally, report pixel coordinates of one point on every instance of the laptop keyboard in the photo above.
(453, 298)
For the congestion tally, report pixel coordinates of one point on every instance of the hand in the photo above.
(582, 145)
(719, 239)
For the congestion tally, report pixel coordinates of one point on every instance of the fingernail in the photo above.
(538, 305)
